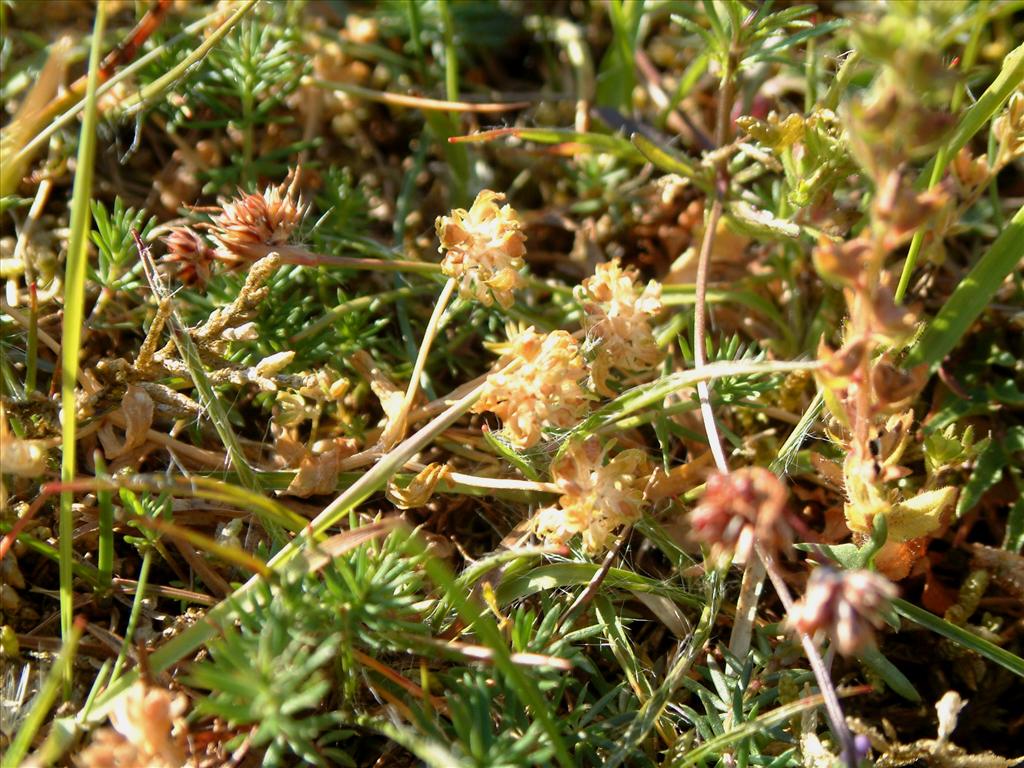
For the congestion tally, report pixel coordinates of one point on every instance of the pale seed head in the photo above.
(145, 720)
(617, 320)
(597, 499)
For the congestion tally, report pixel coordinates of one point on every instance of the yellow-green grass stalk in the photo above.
(151, 92)
(74, 312)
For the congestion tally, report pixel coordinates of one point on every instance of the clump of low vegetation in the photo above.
(520, 384)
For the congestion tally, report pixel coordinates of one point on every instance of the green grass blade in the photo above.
(613, 144)
(652, 709)
(372, 481)
(648, 395)
(622, 648)
(686, 295)
(74, 315)
(971, 296)
(432, 753)
(127, 73)
(961, 636)
(562, 575)
(84, 571)
(156, 89)
(1010, 76)
(489, 634)
(873, 659)
(671, 161)
(720, 743)
(133, 616)
(207, 394)
(105, 554)
(780, 464)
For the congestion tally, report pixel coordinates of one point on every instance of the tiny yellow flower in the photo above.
(484, 249)
(617, 320)
(538, 386)
(597, 499)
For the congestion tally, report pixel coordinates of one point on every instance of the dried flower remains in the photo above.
(484, 249)
(189, 254)
(252, 225)
(740, 510)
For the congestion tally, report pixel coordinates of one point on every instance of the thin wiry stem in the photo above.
(758, 563)
(725, 99)
(397, 429)
(574, 610)
(699, 335)
(833, 710)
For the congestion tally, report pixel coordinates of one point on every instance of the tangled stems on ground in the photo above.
(401, 440)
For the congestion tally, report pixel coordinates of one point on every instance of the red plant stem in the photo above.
(699, 335)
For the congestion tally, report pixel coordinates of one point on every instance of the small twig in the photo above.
(417, 102)
(293, 254)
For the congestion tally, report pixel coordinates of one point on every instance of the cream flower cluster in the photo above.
(617, 319)
(539, 383)
(537, 386)
(597, 499)
(484, 249)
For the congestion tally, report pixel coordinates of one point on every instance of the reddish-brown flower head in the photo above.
(846, 606)
(189, 254)
(252, 225)
(741, 509)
